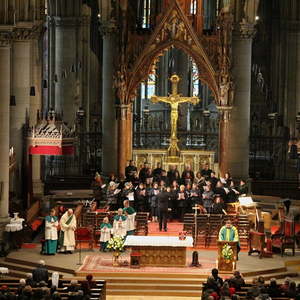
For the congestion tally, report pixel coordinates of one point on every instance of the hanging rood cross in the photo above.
(174, 99)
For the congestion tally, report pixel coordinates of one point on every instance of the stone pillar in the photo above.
(66, 62)
(109, 122)
(123, 115)
(224, 138)
(129, 128)
(238, 148)
(35, 105)
(5, 81)
(19, 114)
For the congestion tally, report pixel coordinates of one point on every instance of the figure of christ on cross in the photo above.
(174, 99)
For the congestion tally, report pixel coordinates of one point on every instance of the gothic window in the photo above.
(193, 8)
(148, 87)
(146, 14)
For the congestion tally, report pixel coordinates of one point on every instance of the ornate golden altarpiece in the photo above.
(195, 158)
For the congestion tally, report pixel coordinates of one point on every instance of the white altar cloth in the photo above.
(158, 241)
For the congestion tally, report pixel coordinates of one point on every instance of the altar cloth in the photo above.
(158, 241)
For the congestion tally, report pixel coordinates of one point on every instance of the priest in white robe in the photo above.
(120, 224)
(67, 232)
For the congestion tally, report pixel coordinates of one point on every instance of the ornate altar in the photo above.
(159, 251)
(195, 158)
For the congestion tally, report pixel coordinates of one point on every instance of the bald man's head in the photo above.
(70, 212)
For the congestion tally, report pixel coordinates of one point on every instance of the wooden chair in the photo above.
(84, 234)
(286, 239)
(141, 219)
(257, 243)
(214, 225)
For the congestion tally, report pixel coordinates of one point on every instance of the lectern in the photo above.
(227, 255)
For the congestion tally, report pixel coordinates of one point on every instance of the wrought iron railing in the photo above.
(86, 160)
(187, 140)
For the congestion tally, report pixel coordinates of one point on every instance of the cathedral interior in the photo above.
(170, 82)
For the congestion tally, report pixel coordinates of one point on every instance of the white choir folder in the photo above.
(246, 201)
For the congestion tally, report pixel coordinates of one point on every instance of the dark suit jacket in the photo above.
(40, 274)
(163, 200)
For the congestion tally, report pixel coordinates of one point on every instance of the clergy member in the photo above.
(120, 224)
(130, 213)
(67, 232)
(51, 224)
(229, 233)
(105, 233)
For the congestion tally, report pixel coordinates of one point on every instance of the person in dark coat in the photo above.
(40, 273)
(143, 173)
(163, 204)
(130, 170)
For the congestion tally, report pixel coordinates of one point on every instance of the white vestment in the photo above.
(105, 234)
(50, 230)
(131, 222)
(69, 232)
(120, 227)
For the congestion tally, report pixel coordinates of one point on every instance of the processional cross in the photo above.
(174, 99)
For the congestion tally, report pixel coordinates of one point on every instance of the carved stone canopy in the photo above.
(50, 137)
(173, 30)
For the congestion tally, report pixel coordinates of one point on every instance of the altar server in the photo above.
(105, 233)
(120, 224)
(130, 213)
(51, 224)
(67, 232)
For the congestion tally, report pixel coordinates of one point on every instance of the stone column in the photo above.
(19, 114)
(123, 115)
(66, 61)
(129, 128)
(109, 122)
(238, 149)
(35, 105)
(224, 138)
(5, 81)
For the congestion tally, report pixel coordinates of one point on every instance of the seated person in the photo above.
(214, 282)
(88, 284)
(237, 281)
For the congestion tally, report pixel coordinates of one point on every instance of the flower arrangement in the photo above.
(227, 252)
(116, 243)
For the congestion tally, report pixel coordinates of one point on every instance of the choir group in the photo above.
(141, 189)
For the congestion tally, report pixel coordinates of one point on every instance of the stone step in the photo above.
(170, 293)
(146, 280)
(145, 275)
(34, 265)
(154, 287)
(264, 272)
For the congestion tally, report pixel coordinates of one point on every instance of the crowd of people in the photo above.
(38, 285)
(216, 288)
(142, 189)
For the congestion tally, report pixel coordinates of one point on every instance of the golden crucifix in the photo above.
(174, 99)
